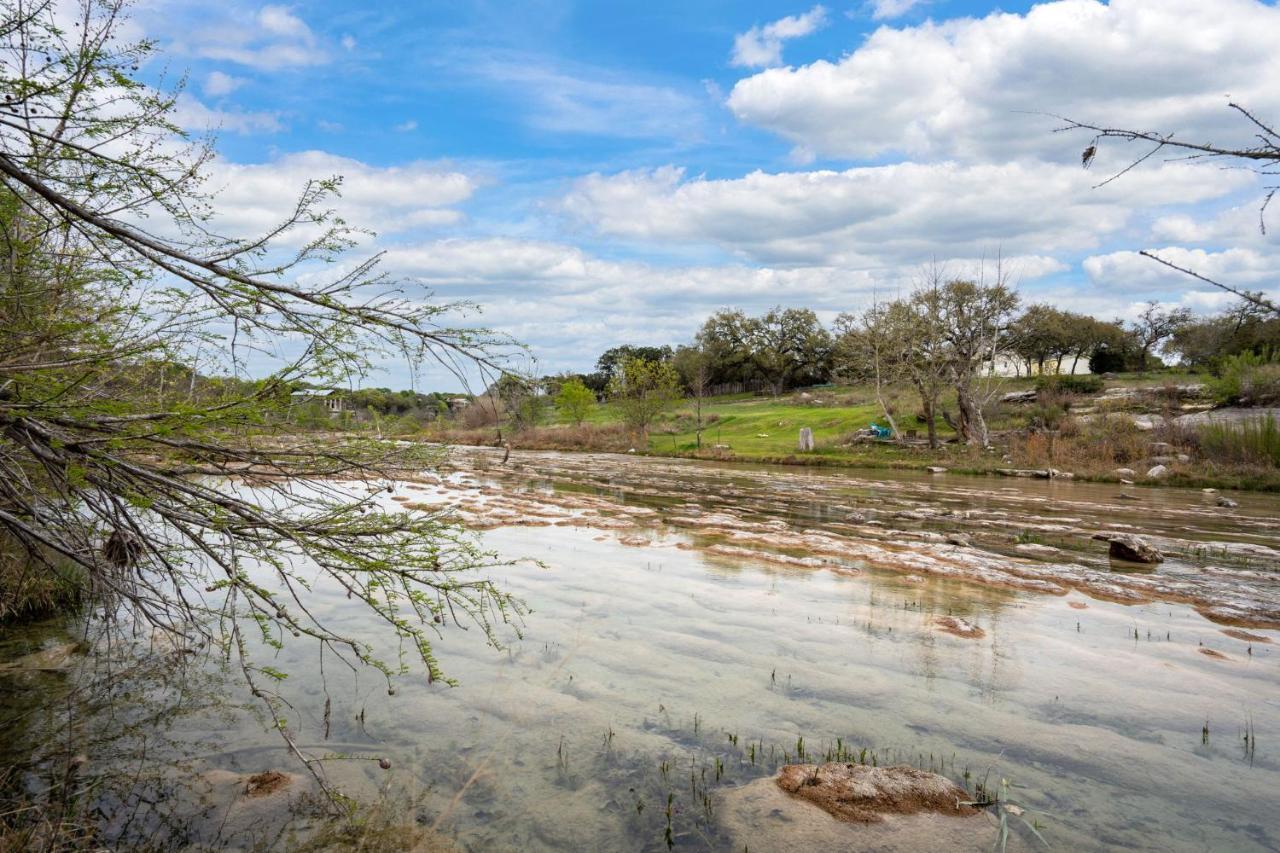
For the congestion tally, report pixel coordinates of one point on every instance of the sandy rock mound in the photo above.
(266, 783)
(762, 818)
(857, 793)
(957, 627)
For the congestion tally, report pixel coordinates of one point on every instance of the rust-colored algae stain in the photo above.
(959, 628)
(860, 794)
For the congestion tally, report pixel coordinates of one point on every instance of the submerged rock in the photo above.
(1135, 549)
(53, 659)
(862, 794)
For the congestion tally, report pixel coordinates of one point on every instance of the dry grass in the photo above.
(612, 437)
(32, 591)
(1092, 448)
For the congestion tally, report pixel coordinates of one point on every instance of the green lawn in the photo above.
(749, 427)
(764, 427)
(757, 426)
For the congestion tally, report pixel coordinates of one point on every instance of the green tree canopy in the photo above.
(642, 390)
(575, 400)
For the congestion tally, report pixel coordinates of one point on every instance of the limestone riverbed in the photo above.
(693, 627)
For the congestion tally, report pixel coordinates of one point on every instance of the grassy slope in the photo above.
(761, 427)
(767, 430)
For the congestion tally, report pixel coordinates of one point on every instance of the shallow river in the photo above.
(694, 626)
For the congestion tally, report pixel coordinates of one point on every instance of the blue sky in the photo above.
(599, 173)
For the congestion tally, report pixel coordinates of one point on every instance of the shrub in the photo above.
(1106, 361)
(486, 411)
(1068, 383)
(1049, 410)
(1249, 378)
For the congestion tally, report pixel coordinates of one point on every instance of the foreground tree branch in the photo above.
(1261, 155)
(179, 506)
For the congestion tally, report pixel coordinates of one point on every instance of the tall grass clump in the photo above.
(1255, 441)
(29, 590)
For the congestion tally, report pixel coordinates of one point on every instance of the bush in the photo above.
(486, 411)
(1106, 361)
(1250, 379)
(1049, 411)
(1067, 383)
(1252, 442)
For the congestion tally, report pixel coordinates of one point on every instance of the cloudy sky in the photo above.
(596, 173)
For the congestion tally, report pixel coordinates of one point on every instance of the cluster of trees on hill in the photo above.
(950, 336)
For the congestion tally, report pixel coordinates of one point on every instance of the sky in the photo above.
(597, 173)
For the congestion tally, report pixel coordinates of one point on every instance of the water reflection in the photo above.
(658, 674)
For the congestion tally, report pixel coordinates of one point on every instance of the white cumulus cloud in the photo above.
(761, 46)
(252, 198)
(972, 88)
(878, 215)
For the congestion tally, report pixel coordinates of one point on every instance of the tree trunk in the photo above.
(972, 423)
(698, 410)
(930, 425)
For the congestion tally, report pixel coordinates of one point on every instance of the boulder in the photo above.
(1019, 397)
(1223, 501)
(1230, 415)
(1134, 549)
(1157, 472)
(860, 794)
(1126, 472)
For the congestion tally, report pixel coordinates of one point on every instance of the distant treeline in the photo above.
(943, 337)
(789, 348)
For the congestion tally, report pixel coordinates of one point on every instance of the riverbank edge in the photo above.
(1265, 484)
